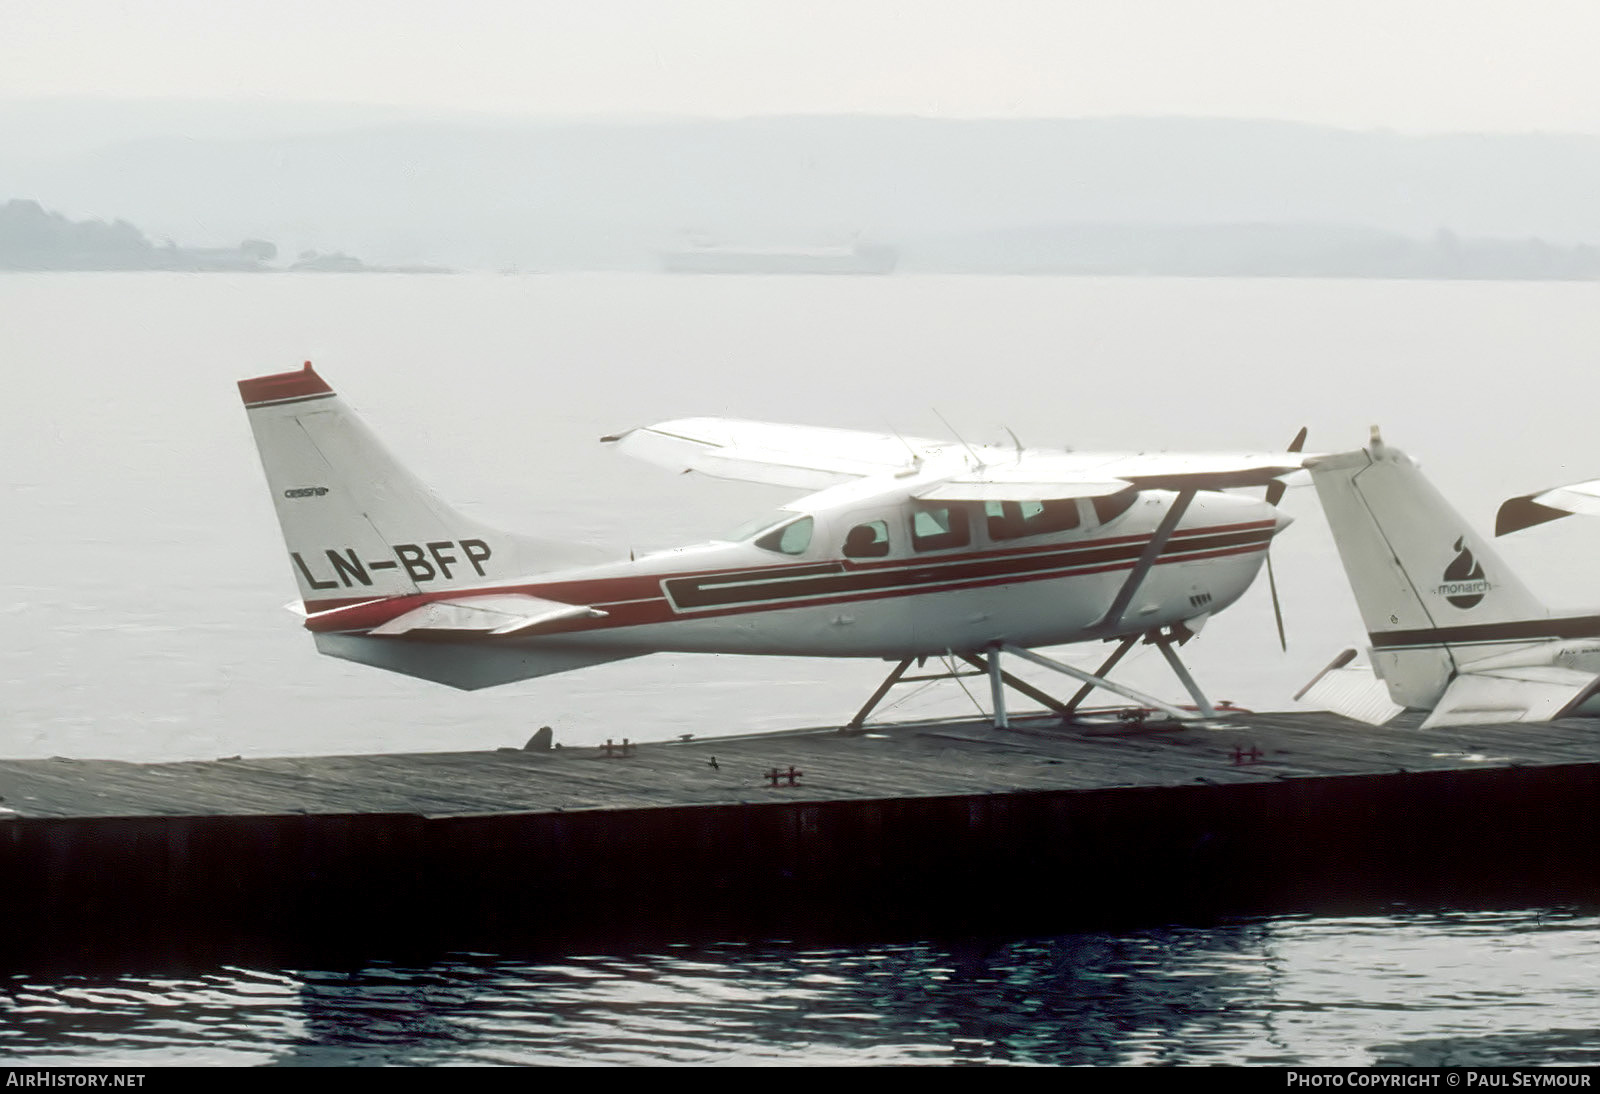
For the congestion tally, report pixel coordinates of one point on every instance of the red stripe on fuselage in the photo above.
(636, 599)
(660, 611)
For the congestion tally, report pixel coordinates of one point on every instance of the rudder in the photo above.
(356, 523)
(1423, 580)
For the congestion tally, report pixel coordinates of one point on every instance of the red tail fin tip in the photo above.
(300, 384)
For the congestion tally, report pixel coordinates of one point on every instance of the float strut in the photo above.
(997, 689)
(883, 689)
(1100, 681)
(1110, 663)
(1165, 646)
(979, 662)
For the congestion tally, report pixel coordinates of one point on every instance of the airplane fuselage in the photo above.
(935, 578)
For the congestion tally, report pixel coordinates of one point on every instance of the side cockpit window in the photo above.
(1112, 506)
(1014, 519)
(869, 540)
(939, 527)
(791, 539)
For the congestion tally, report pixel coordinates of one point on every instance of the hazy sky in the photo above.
(1411, 65)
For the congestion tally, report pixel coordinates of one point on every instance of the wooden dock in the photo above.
(949, 827)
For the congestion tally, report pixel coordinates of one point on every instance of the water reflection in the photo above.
(1484, 988)
(1095, 999)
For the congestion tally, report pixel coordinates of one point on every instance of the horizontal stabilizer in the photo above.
(1582, 498)
(1353, 691)
(494, 613)
(468, 666)
(1534, 694)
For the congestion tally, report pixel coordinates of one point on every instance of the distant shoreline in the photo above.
(34, 239)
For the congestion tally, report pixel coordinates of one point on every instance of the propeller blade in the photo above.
(1277, 609)
(1276, 487)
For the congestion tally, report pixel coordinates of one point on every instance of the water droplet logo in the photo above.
(1464, 583)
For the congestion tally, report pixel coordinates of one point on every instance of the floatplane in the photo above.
(905, 548)
(1453, 631)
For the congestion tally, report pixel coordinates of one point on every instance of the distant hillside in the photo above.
(33, 238)
(1103, 195)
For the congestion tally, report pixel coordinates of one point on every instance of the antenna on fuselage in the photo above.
(976, 458)
(916, 457)
(1014, 440)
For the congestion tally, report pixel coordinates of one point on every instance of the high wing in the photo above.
(1530, 509)
(1018, 484)
(1145, 470)
(804, 456)
(815, 457)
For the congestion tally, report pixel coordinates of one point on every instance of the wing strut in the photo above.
(1147, 558)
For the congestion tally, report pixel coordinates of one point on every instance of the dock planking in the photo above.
(902, 829)
(915, 760)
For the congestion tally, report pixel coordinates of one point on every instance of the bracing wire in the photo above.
(949, 660)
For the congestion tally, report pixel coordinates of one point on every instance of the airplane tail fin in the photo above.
(358, 525)
(1430, 590)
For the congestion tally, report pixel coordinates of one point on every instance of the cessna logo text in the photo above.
(424, 562)
(1464, 583)
(305, 492)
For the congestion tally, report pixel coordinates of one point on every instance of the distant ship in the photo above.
(857, 259)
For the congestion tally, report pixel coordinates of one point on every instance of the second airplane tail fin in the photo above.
(1433, 595)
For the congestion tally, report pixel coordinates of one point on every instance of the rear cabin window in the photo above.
(940, 527)
(1112, 506)
(869, 540)
(1014, 519)
(791, 539)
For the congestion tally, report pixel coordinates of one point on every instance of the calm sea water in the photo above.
(143, 575)
(1422, 990)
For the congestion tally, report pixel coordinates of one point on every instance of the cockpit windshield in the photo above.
(750, 529)
(791, 539)
(785, 532)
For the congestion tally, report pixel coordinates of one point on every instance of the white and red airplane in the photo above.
(908, 548)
